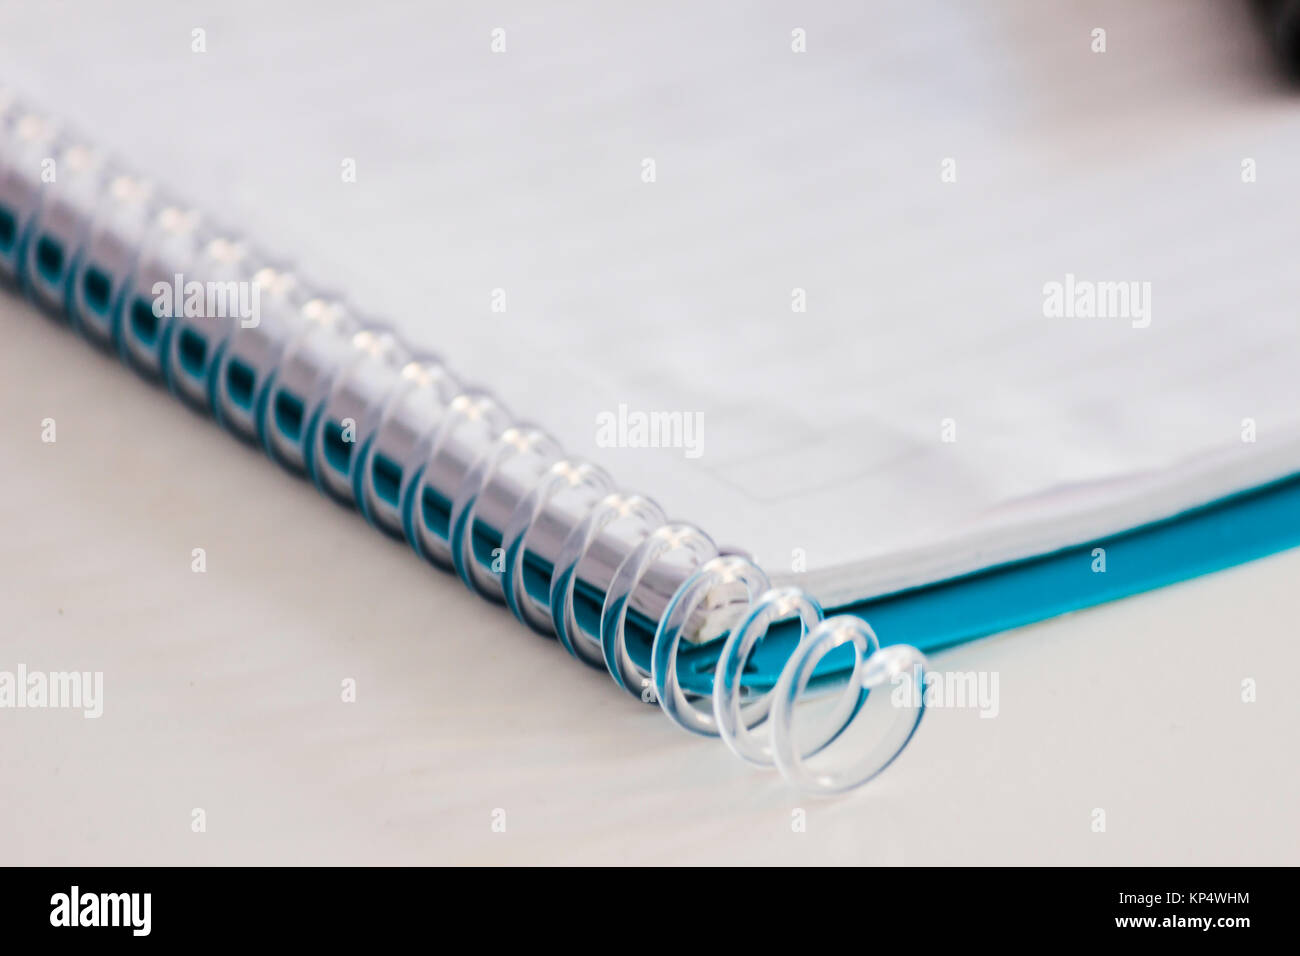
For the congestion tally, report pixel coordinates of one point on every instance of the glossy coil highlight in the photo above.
(378, 425)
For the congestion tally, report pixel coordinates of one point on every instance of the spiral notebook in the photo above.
(884, 308)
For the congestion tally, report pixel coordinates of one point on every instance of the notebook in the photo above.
(953, 319)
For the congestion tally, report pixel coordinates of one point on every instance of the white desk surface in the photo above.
(222, 691)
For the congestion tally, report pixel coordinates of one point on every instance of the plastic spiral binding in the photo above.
(390, 430)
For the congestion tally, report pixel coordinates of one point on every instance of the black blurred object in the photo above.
(1282, 18)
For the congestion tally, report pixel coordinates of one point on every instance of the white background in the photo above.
(222, 690)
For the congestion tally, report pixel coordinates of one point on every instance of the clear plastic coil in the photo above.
(380, 426)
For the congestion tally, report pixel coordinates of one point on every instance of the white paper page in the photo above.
(775, 170)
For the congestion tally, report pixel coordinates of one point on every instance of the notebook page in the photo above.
(859, 325)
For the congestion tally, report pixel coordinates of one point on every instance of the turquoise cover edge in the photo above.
(1224, 533)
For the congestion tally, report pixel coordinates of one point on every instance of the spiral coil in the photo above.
(390, 430)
